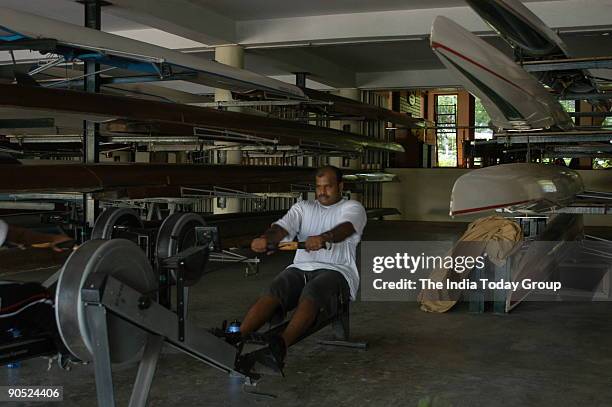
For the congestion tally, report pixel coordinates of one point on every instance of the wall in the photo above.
(401, 104)
(424, 193)
(421, 193)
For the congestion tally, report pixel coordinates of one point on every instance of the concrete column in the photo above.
(354, 94)
(355, 164)
(232, 55)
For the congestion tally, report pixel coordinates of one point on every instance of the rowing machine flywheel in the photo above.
(126, 262)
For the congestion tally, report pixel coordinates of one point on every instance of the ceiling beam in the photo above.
(567, 15)
(415, 79)
(180, 17)
(318, 68)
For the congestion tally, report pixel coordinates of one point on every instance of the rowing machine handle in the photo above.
(292, 246)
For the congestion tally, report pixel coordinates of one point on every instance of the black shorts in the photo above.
(322, 286)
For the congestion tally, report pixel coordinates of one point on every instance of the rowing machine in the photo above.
(107, 313)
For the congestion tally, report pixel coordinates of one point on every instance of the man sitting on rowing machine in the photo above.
(316, 275)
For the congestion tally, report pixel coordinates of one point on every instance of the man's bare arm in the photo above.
(335, 235)
(269, 240)
(339, 233)
(275, 234)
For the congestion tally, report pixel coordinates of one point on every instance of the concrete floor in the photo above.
(542, 354)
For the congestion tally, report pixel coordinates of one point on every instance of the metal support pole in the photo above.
(500, 297)
(477, 297)
(146, 371)
(180, 302)
(300, 79)
(96, 317)
(92, 83)
(91, 130)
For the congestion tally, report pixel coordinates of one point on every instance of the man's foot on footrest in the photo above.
(262, 355)
(231, 335)
(233, 338)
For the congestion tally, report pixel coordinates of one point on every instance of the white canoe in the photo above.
(520, 187)
(513, 98)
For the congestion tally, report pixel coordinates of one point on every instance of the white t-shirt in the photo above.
(310, 218)
(3, 231)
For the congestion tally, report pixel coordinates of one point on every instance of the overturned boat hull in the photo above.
(520, 187)
(513, 98)
(519, 26)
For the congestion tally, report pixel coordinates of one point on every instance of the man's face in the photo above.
(329, 191)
